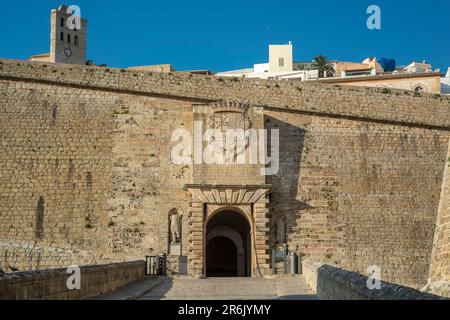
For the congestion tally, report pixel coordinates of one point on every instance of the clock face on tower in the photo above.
(67, 52)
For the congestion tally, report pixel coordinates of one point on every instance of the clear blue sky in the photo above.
(229, 34)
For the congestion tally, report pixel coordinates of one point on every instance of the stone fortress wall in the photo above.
(86, 177)
(439, 281)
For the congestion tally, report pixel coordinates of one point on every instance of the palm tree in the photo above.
(324, 66)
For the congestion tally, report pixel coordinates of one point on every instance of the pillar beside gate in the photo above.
(196, 237)
(262, 236)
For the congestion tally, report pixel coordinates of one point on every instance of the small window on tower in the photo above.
(281, 62)
(62, 22)
(76, 40)
(69, 38)
(61, 36)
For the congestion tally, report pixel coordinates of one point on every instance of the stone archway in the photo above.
(247, 202)
(228, 245)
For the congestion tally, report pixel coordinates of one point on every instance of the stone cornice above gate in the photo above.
(228, 194)
(227, 106)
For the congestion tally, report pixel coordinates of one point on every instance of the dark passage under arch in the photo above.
(222, 258)
(228, 245)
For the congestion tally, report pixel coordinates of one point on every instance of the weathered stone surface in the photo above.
(331, 283)
(86, 176)
(231, 289)
(439, 281)
(52, 284)
(329, 100)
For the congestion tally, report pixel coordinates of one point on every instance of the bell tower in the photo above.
(68, 36)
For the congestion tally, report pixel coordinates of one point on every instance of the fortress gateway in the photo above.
(87, 175)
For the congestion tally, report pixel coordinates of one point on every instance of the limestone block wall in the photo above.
(145, 185)
(85, 172)
(358, 194)
(440, 260)
(85, 176)
(54, 174)
(329, 99)
(52, 284)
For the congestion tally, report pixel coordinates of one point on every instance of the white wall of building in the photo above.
(279, 67)
(281, 58)
(445, 83)
(261, 67)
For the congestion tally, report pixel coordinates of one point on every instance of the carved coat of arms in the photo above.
(231, 134)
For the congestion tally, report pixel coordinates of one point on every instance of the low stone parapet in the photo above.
(52, 284)
(331, 283)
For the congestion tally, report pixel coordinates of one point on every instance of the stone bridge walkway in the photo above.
(214, 289)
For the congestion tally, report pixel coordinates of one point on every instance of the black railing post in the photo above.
(162, 264)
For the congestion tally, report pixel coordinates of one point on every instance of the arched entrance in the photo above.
(228, 245)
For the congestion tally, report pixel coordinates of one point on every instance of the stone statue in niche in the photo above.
(175, 226)
(281, 230)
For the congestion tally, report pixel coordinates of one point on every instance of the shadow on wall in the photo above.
(338, 284)
(285, 208)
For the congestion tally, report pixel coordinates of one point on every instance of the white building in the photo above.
(281, 66)
(445, 83)
(418, 67)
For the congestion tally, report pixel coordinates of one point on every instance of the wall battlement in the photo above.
(396, 107)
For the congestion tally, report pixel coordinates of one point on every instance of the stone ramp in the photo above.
(294, 289)
(133, 291)
(231, 289)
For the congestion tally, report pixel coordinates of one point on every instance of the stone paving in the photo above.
(133, 291)
(231, 289)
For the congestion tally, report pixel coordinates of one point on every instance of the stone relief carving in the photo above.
(226, 117)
